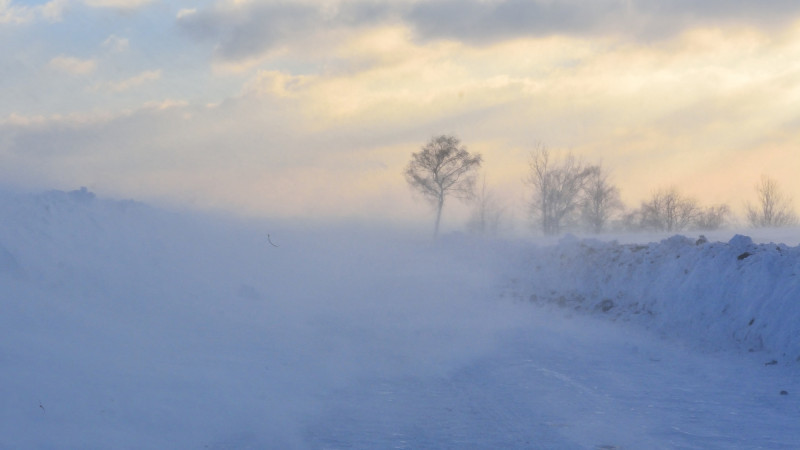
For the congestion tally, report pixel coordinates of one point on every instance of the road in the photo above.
(570, 383)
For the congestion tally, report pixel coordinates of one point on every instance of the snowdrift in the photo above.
(716, 295)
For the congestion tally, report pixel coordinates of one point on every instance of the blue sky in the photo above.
(311, 109)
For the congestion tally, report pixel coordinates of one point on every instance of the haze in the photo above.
(128, 327)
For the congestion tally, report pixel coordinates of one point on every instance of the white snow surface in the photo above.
(128, 327)
(714, 294)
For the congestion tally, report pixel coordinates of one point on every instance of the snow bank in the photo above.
(719, 295)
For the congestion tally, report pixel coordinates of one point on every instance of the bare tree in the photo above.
(600, 200)
(774, 209)
(443, 168)
(556, 189)
(487, 213)
(631, 220)
(712, 218)
(668, 210)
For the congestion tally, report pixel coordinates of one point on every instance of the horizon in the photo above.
(417, 231)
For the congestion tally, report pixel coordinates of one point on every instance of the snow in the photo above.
(717, 295)
(125, 326)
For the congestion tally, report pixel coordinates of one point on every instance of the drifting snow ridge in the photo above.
(718, 294)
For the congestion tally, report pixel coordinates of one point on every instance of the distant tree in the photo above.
(443, 168)
(600, 200)
(773, 209)
(487, 212)
(712, 218)
(631, 220)
(668, 210)
(556, 189)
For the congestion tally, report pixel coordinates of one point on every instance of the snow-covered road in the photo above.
(570, 383)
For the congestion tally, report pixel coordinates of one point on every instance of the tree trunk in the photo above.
(439, 207)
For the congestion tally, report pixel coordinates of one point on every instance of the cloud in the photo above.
(491, 21)
(51, 11)
(116, 44)
(248, 30)
(484, 22)
(276, 83)
(73, 66)
(252, 29)
(183, 13)
(129, 83)
(10, 14)
(243, 31)
(117, 4)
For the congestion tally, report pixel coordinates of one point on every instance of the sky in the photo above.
(312, 109)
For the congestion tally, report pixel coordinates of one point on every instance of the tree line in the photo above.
(567, 193)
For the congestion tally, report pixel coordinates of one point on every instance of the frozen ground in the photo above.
(128, 327)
